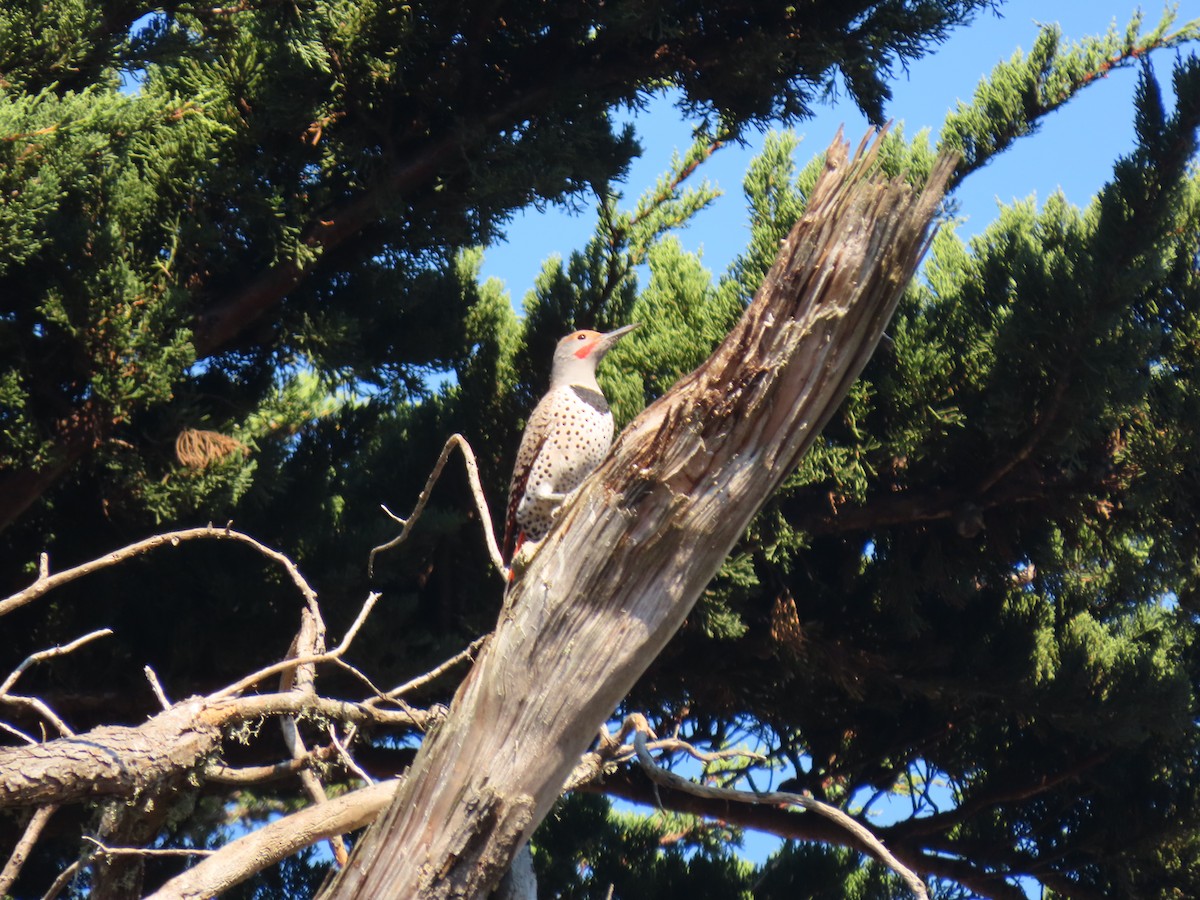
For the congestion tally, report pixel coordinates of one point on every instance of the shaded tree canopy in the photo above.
(284, 172)
(239, 279)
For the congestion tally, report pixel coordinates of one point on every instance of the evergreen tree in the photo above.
(239, 243)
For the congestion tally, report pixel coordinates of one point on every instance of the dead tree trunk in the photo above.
(631, 553)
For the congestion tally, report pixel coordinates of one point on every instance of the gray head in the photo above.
(578, 354)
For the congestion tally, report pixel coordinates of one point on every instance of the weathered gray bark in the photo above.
(123, 760)
(632, 552)
(110, 761)
(264, 847)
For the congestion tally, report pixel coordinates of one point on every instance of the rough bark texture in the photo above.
(113, 760)
(275, 841)
(633, 550)
(123, 760)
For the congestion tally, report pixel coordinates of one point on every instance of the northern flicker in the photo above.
(567, 436)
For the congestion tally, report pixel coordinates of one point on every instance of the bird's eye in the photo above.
(581, 337)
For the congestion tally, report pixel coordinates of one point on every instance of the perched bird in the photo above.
(567, 436)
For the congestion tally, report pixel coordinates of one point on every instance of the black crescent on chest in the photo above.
(594, 399)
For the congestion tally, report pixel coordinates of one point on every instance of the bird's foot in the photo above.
(522, 558)
(563, 503)
(545, 493)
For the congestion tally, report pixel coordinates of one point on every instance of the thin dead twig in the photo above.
(455, 440)
(17, 732)
(106, 850)
(156, 686)
(33, 831)
(296, 661)
(422, 680)
(63, 879)
(343, 750)
(34, 703)
(310, 644)
(367, 682)
(46, 582)
(222, 774)
(41, 709)
(641, 728)
(50, 653)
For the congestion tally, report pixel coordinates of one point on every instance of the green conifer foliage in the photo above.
(974, 602)
(198, 199)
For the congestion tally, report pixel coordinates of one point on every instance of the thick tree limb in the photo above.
(778, 798)
(635, 787)
(120, 761)
(20, 853)
(634, 549)
(240, 859)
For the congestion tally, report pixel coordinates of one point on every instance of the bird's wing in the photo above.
(532, 441)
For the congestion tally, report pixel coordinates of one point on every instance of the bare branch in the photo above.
(677, 745)
(257, 774)
(485, 517)
(16, 732)
(297, 661)
(347, 759)
(41, 709)
(63, 879)
(103, 848)
(156, 686)
(20, 853)
(352, 631)
(309, 644)
(240, 859)
(46, 582)
(422, 680)
(33, 702)
(773, 798)
(41, 655)
(120, 760)
(367, 682)
(636, 787)
(611, 753)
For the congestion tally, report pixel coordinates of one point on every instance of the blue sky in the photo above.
(1073, 151)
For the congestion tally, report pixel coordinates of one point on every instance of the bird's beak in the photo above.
(608, 339)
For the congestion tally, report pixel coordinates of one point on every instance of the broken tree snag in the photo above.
(632, 551)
